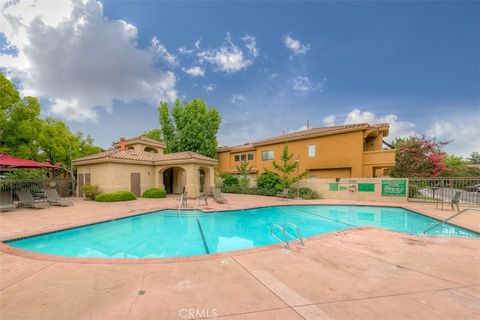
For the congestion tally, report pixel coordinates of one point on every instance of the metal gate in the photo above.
(443, 190)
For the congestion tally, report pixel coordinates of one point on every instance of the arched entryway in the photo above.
(173, 179)
(205, 179)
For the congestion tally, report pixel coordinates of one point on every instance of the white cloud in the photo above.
(209, 87)
(197, 44)
(184, 50)
(229, 57)
(274, 76)
(251, 45)
(162, 52)
(304, 85)
(295, 46)
(72, 55)
(330, 120)
(464, 132)
(397, 128)
(195, 71)
(238, 98)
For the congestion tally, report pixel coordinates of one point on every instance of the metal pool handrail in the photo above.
(449, 218)
(299, 237)
(284, 242)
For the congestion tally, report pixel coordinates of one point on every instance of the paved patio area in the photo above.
(363, 273)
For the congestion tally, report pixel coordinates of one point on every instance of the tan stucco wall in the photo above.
(113, 177)
(337, 156)
(141, 147)
(322, 187)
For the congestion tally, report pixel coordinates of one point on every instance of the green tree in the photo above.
(287, 170)
(194, 127)
(167, 127)
(20, 128)
(155, 134)
(24, 134)
(474, 158)
(418, 157)
(457, 167)
(244, 170)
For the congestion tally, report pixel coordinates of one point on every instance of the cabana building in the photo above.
(139, 163)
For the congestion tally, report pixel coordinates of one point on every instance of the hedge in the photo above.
(304, 193)
(154, 193)
(115, 196)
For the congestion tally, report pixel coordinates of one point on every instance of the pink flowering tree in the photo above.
(418, 157)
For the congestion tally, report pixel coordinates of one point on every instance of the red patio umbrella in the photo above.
(7, 161)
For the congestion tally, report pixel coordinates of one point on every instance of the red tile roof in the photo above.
(306, 134)
(144, 156)
(142, 139)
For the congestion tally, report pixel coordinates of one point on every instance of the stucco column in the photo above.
(193, 181)
(158, 177)
(210, 179)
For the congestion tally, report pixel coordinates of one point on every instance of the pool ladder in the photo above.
(449, 218)
(286, 235)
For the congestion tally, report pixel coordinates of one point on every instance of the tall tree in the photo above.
(194, 127)
(287, 169)
(167, 127)
(418, 157)
(474, 158)
(155, 134)
(24, 134)
(244, 171)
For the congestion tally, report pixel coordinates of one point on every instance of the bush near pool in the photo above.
(115, 196)
(154, 193)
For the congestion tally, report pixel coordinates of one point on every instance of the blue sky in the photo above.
(267, 66)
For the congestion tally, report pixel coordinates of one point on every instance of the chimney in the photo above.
(122, 144)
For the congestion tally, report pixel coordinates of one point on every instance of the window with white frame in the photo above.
(267, 155)
(311, 150)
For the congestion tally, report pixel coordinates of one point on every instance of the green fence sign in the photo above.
(366, 187)
(394, 188)
(333, 186)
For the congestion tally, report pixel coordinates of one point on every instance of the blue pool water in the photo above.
(167, 234)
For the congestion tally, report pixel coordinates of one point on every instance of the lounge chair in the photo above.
(203, 197)
(54, 199)
(283, 195)
(456, 200)
(217, 196)
(6, 201)
(26, 200)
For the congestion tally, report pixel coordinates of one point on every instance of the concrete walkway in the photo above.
(362, 273)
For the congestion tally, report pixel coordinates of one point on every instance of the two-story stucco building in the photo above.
(332, 152)
(139, 163)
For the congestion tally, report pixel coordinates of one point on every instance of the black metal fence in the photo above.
(443, 190)
(64, 187)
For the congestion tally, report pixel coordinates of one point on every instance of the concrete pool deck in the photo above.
(363, 273)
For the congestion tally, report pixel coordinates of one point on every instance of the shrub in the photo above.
(90, 191)
(229, 179)
(269, 181)
(154, 193)
(115, 196)
(304, 193)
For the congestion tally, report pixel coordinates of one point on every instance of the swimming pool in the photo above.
(167, 234)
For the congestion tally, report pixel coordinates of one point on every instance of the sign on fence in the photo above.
(366, 187)
(394, 188)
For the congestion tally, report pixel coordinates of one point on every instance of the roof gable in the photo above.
(307, 134)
